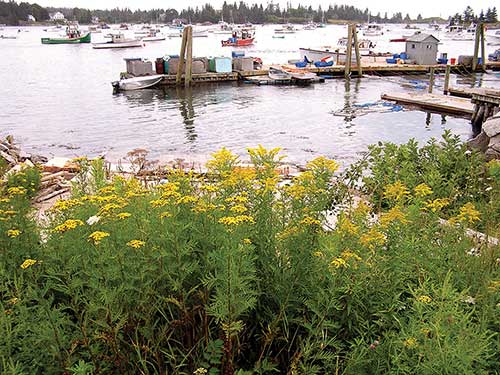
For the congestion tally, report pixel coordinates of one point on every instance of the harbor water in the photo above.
(58, 100)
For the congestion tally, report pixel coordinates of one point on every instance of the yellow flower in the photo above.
(437, 205)
(200, 371)
(16, 190)
(410, 343)
(424, 299)
(339, 262)
(187, 199)
(136, 244)
(165, 214)
(373, 238)
(236, 199)
(97, 237)
(394, 214)
(13, 233)
(362, 209)
(323, 164)
(68, 225)
(80, 159)
(4, 200)
(247, 241)
(13, 301)
(239, 209)
(64, 205)
(10, 212)
(308, 220)
(422, 190)
(396, 191)
(223, 161)
(318, 254)
(123, 215)
(110, 207)
(209, 188)
(107, 190)
(468, 214)
(158, 203)
(348, 254)
(28, 263)
(345, 226)
(236, 220)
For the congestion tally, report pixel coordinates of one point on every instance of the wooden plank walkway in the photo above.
(433, 102)
(467, 92)
(265, 81)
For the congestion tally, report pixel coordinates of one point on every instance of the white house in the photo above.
(58, 16)
(31, 18)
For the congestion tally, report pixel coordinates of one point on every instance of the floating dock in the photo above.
(468, 92)
(374, 68)
(434, 102)
(265, 80)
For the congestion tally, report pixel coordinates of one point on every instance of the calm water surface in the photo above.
(57, 100)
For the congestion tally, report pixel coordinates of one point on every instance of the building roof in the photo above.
(420, 37)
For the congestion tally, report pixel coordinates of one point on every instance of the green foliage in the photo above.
(236, 274)
(28, 178)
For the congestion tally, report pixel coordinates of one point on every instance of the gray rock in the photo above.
(4, 147)
(23, 155)
(8, 158)
(492, 127)
(492, 154)
(38, 159)
(495, 143)
(480, 142)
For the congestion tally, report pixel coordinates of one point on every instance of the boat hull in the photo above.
(108, 45)
(238, 43)
(83, 39)
(137, 83)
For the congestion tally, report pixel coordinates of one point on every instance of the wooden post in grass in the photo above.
(347, 66)
(180, 67)
(189, 58)
(447, 79)
(431, 80)
(356, 50)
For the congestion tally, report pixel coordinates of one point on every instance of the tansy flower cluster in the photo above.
(68, 225)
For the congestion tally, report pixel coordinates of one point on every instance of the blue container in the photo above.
(403, 56)
(235, 54)
(301, 64)
(391, 61)
(221, 65)
(480, 61)
(396, 56)
(322, 64)
(443, 61)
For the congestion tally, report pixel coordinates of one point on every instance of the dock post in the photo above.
(180, 67)
(476, 48)
(356, 50)
(189, 59)
(483, 54)
(347, 66)
(447, 79)
(431, 80)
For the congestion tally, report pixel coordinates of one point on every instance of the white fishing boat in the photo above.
(119, 41)
(311, 25)
(286, 29)
(8, 37)
(338, 53)
(373, 29)
(153, 36)
(137, 83)
(200, 33)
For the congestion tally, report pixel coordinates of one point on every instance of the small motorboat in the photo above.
(286, 29)
(278, 37)
(73, 36)
(279, 74)
(119, 41)
(373, 29)
(8, 36)
(153, 36)
(137, 83)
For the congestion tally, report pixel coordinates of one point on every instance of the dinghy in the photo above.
(137, 83)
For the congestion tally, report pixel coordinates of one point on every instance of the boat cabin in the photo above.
(422, 48)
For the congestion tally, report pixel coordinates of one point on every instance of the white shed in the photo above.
(422, 48)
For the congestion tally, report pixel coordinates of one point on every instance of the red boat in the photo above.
(239, 39)
(235, 42)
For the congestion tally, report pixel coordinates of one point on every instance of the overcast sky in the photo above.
(413, 7)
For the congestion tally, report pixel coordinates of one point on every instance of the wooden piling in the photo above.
(476, 48)
(356, 50)
(447, 79)
(348, 57)
(431, 80)
(188, 79)
(483, 52)
(180, 68)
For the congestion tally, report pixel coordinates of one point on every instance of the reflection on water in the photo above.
(185, 98)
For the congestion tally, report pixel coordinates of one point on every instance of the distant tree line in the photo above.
(468, 16)
(12, 13)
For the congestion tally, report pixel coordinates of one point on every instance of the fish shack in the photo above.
(422, 48)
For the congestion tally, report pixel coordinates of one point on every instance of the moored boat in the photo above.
(73, 36)
(240, 38)
(153, 36)
(137, 83)
(118, 41)
(278, 74)
(373, 29)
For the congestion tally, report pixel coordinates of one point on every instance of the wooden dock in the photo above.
(468, 92)
(266, 81)
(433, 102)
(370, 68)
